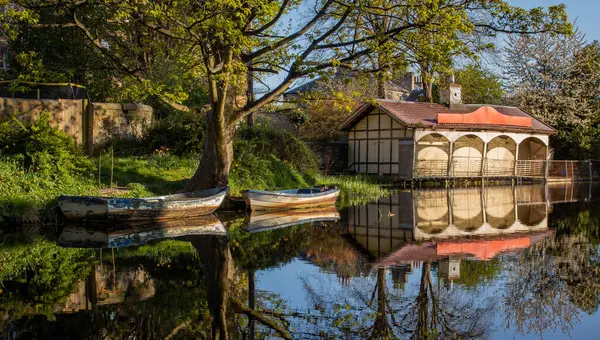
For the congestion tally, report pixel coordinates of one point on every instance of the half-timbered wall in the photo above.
(374, 146)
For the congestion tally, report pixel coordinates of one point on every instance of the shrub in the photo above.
(42, 149)
(264, 141)
(265, 158)
(181, 132)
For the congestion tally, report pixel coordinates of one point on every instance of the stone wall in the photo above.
(66, 114)
(107, 120)
(89, 124)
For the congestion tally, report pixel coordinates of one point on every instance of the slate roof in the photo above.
(419, 114)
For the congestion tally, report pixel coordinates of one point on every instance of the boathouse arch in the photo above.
(532, 148)
(432, 155)
(467, 155)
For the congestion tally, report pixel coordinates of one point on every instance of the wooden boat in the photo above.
(290, 199)
(160, 207)
(270, 220)
(99, 235)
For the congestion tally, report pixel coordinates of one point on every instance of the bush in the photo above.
(265, 158)
(42, 149)
(181, 133)
(264, 141)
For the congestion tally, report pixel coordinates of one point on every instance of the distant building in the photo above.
(406, 88)
(422, 140)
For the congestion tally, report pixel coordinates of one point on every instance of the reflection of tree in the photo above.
(381, 328)
(474, 273)
(37, 274)
(266, 249)
(440, 313)
(327, 249)
(551, 283)
(556, 279)
(219, 275)
(126, 317)
(368, 308)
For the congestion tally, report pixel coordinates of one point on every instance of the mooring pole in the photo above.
(112, 164)
(99, 167)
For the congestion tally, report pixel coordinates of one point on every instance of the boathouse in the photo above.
(415, 140)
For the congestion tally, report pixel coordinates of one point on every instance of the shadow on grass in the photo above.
(157, 179)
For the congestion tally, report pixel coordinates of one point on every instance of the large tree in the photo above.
(222, 40)
(557, 79)
(479, 86)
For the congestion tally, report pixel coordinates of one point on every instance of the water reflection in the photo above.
(269, 220)
(133, 234)
(442, 263)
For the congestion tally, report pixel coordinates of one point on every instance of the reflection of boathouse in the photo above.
(490, 215)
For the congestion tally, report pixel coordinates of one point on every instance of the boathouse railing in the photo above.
(465, 167)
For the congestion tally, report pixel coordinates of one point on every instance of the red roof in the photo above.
(418, 114)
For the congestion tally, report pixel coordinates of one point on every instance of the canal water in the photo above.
(498, 262)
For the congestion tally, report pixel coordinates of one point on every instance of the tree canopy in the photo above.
(161, 48)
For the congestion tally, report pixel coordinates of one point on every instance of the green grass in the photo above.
(28, 198)
(358, 189)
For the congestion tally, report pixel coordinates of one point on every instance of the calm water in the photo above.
(493, 263)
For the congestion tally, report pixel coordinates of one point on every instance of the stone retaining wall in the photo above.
(89, 124)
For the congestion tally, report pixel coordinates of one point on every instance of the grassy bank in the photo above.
(29, 198)
(30, 180)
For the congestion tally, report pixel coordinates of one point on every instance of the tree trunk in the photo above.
(427, 82)
(218, 275)
(217, 155)
(381, 85)
(427, 88)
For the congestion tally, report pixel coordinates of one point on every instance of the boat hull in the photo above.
(266, 201)
(157, 208)
(270, 220)
(111, 235)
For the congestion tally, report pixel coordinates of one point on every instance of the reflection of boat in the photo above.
(77, 236)
(160, 207)
(261, 221)
(290, 199)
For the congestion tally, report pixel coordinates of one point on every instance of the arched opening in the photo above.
(467, 213)
(432, 156)
(531, 156)
(432, 211)
(532, 148)
(500, 157)
(500, 207)
(531, 215)
(467, 156)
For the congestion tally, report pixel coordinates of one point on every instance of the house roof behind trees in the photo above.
(408, 85)
(468, 116)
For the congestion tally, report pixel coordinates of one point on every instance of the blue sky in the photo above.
(584, 11)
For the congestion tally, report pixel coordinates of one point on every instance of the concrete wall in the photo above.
(89, 124)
